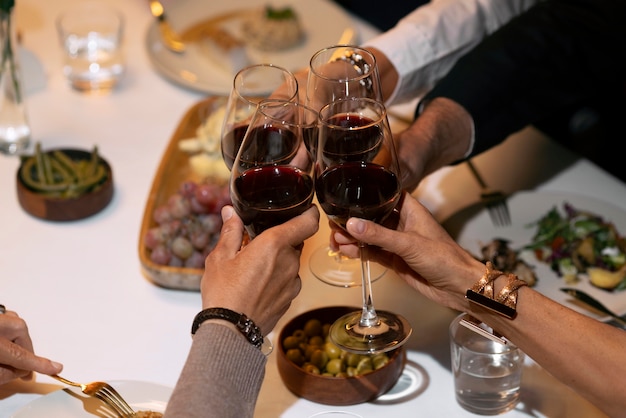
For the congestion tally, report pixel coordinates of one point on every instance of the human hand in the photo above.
(419, 250)
(17, 357)
(441, 135)
(260, 279)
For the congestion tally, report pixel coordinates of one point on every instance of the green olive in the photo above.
(295, 356)
(364, 366)
(313, 327)
(319, 358)
(290, 342)
(333, 351)
(352, 359)
(335, 366)
(299, 334)
(380, 360)
(310, 349)
(316, 340)
(311, 368)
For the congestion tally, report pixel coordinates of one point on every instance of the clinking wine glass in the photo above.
(251, 85)
(341, 72)
(272, 175)
(357, 175)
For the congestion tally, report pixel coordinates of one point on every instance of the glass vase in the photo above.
(14, 126)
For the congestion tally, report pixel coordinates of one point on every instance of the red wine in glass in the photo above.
(357, 175)
(270, 195)
(351, 145)
(347, 190)
(231, 143)
(271, 177)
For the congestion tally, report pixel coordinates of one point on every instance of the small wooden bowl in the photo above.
(335, 390)
(66, 209)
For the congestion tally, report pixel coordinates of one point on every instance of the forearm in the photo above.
(425, 44)
(576, 349)
(440, 136)
(223, 373)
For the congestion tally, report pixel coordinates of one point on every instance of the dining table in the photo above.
(88, 304)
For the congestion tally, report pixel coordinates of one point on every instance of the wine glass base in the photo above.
(392, 331)
(341, 271)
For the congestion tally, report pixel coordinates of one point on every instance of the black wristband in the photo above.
(244, 324)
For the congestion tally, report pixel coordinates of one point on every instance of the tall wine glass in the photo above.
(272, 176)
(357, 174)
(251, 85)
(337, 72)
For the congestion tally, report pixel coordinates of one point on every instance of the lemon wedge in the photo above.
(606, 279)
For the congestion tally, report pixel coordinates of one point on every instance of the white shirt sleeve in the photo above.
(426, 43)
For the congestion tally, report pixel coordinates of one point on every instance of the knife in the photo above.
(594, 303)
(169, 37)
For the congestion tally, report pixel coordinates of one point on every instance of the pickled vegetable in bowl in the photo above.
(64, 184)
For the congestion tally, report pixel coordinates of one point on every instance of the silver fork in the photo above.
(105, 393)
(494, 200)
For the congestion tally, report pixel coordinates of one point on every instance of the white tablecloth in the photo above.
(79, 284)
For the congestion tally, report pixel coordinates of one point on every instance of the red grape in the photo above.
(188, 225)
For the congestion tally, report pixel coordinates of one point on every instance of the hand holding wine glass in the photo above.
(251, 85)
(341, 72)
(272, 175)
(357, 175)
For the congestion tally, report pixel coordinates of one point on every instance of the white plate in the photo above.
(472, 226)
(72, 403)
(322, 21)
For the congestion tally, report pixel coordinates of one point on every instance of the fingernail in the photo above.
(57, 365)
(227, 213)
(357, 225)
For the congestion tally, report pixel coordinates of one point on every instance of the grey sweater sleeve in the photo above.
(222, 376)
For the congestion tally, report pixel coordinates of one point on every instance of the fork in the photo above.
(493, 200)
(105, 393)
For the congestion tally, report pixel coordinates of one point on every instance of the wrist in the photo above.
(450, 129)
(240, 321)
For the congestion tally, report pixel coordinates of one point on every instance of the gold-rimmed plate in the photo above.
(323, 23)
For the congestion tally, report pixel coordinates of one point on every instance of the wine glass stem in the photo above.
(369, 318)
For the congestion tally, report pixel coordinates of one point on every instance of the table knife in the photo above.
(594, 303)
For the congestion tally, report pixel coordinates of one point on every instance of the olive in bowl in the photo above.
(315, 369)
(64, 184)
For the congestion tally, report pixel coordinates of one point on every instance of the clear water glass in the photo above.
(487, 374)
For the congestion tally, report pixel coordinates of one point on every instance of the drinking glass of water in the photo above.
(91, 36)
(487, 373)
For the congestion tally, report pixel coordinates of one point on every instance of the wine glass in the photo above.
(336, 72)
(272, 175)
(357, 174)
(251, 85)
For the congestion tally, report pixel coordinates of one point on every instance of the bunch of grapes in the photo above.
(188, 225)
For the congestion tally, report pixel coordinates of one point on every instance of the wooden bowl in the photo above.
(332, 390)
(66, 209)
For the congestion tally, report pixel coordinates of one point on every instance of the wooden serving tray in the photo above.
(173, 170)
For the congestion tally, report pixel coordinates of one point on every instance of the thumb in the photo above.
(231, 234)
(372, 233)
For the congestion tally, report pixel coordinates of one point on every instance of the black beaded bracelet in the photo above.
(244, 324)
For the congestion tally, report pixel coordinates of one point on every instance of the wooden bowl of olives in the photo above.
(314, 368)
(64, 184)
